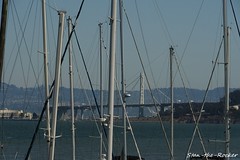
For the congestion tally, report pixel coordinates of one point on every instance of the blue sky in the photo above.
(163, 23)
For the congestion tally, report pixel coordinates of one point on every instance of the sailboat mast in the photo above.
(71, 89)
(45, 54)
(2, 34)
(56, 85)
(123, 83)
(101, 91)
(226, 75)
(113, 23)
(171, 92)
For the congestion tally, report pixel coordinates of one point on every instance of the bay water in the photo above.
(16, 137)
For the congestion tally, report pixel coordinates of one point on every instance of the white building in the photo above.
(15, 114)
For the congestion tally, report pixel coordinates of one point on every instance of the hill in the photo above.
(32, 99)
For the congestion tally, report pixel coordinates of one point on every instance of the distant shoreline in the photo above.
(185, 119)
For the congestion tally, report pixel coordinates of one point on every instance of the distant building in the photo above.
(15, 114)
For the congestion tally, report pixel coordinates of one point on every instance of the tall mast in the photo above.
(45, 54)
(101, 91)
(171, 92)
(2, 34)
(113, 23)
(56, 85)
(141, 100)
(71, 89)
(226, 76)
(123, 83)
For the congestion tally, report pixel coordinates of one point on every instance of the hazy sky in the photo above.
(192, 27)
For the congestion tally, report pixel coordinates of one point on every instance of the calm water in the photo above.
(16, 137)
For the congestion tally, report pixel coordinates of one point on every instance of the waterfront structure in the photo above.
(15, 114)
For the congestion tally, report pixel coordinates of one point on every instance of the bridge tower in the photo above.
(141, 100)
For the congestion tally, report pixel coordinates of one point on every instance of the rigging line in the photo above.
(88, 76)
(235, 18)
(94, 96)
(77, 68)
(145, 46)
(14, 44)
(144, 42)
(87, 97)
(27, 99)
(15, 60)
(73, 30)
(52, 27)
(8, 62)
(148, 83)
(190, 107)
(39, 121)
(217, 38)
(14, 64)
(185, 75)
(135, 80)
(23, 39)
(164, 23)
(19, 44)
(204, 99)
(49, 6)
(78, 14)
(4, 95)
(92, 59)
(90, 82)
(134, 85)
(162, 92)
(33, 35)
(193, 27)
(50, 94)
(126, 115)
